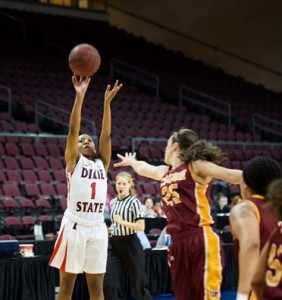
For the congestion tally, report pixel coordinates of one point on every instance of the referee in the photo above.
(125, 250)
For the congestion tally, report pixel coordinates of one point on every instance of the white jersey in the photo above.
(87, 190)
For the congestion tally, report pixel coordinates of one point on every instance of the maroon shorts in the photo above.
(196, 262)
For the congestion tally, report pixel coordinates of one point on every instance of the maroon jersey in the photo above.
(273, 276)
(267, 222)
(195, 253)
(185, 201)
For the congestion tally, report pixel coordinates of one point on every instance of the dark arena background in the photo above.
(215, 68)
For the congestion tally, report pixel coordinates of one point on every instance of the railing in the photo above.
(136, 141)
(38, 136)
(132, 73)
(6, 95)
(59, 115)
(266, 124)
(206, 102)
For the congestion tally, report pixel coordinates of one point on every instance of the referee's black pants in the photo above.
(126, 252)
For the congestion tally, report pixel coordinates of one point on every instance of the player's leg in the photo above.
(95, 286)
(67, 281)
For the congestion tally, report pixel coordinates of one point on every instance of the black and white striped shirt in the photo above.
(130, 209)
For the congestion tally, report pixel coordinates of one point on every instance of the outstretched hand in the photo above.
(111, 92)
(80, 84)
(126, 160)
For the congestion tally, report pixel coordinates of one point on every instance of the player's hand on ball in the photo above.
(111, 92)
(80, 84)
(126, 160)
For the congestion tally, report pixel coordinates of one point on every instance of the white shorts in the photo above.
(80, 248)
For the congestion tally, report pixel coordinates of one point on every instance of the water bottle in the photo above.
(38, 232)
(167, 240)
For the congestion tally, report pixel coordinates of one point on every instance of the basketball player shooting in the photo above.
(82, 242)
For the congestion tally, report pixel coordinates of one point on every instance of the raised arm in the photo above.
(72, 151)
(205, 168)
(245, 227)
(141, 167)
(105, 146)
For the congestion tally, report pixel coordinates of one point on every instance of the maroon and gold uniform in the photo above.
(273, 276)
(267, 222)
(195, 253)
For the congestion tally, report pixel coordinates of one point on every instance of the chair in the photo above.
(12, 149)
(11, 189)
(28, 220)
(2, 150)
(6, 237)
(11, 206)
(27, 205)
(29, 176)
(33, 128)
(238, 154)
(27, 163)
(54, 150)
(27, 150)
(14, 175)
(44, 175)
(61, 188)
(10, 163)
(41, 163)
(12, 225)
(43, 205)
(20, 126)
(31, 190)
(144, 151)
(43, 218)
(60, 175)
(56, 163)
(156, 153)
(28, 227)
(149, 188)
(3, 177)
(47, 189)
(40, 150)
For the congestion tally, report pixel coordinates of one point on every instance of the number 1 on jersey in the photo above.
(93, 188)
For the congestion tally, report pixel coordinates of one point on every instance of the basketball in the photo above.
(84, 60)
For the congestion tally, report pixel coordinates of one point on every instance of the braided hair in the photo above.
(192, 148)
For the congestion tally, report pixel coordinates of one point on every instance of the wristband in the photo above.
(241, 296)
